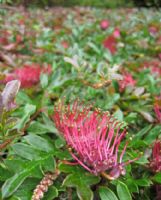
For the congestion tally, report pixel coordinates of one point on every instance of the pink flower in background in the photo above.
(116, 33)
(110, 43)
(65, 44)
(155, 162)
(154, 66)
(153, 30)
(127, 81)
(159, 55)
(104, 24)
(28, 75)
(94, 138)
(157, 108)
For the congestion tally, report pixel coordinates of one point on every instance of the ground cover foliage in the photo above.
(108, 59)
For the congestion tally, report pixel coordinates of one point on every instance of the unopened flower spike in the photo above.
(93, 137)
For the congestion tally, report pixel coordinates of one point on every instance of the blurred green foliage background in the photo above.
(95, 3)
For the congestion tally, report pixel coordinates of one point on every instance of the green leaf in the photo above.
(142, 132)
(119, 115)
(4, 173)
(82, 183)
(38, 128)
(123, 191)
(25, 191)
(51, 194)
(28, 111)
(107, 194)
(143, 182)
(39, 143)
(49, 124)
(44, 80)
(26, 151)
(157, 177)
(133, 187)
(13, 183)
(23, 98)
(153, 134)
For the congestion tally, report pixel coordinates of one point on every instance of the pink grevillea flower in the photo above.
(104, 24)
(155, 162)
(110, 43)
(93, 137)
(126, 81)
(28, 75)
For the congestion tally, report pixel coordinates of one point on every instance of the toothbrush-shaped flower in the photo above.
(93, 136)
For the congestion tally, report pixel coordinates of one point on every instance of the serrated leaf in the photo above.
(107, 194)
(123, 191)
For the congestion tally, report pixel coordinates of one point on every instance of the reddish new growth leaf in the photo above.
(155, 162)
(126, 81)
(93, 138)
(28, 75)
(157, 108)
(110, 43)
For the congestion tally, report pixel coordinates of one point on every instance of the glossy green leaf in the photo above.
(123, 191)
(107, 194)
